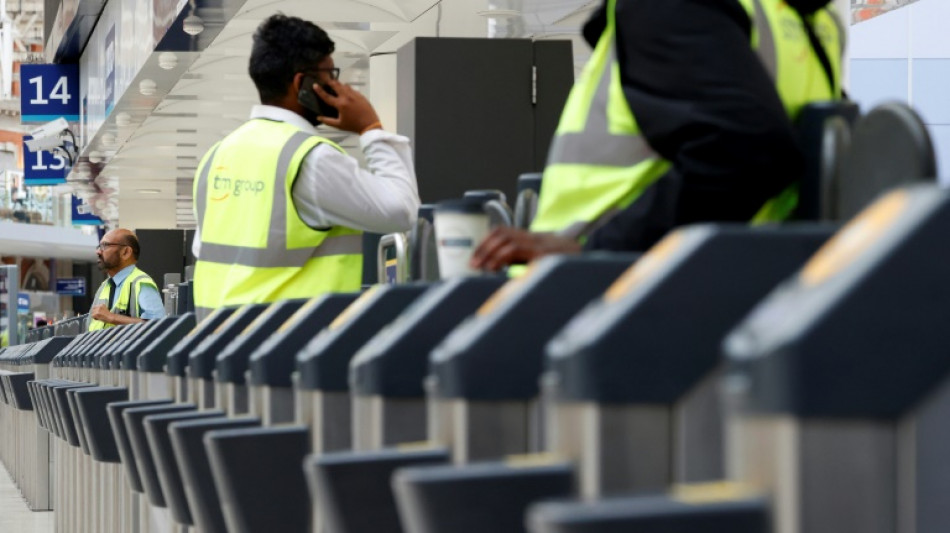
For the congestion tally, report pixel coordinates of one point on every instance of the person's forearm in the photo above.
(122, 320)
(390, 160)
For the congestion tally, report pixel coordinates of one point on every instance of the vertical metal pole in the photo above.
(12, 275)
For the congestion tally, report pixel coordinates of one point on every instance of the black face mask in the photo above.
(807, 7)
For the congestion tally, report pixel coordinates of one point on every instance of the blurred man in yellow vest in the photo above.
(683, 114)
(128, 295)
(281, 209)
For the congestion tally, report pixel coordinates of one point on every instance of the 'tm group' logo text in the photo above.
(225, 187)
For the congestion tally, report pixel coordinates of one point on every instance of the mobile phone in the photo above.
(309, 99)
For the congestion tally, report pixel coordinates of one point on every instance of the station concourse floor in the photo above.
(15, 516)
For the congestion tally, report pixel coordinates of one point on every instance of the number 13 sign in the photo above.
(49, 92)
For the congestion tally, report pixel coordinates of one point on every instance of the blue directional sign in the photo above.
(82, 215)
(23, 302)
(43, 168)
(48, 92)
(71, 286)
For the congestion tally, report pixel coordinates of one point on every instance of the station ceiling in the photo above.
(150, 145)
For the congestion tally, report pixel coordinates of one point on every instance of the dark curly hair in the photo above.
(284, 46)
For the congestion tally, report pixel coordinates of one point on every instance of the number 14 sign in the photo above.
(48, 92)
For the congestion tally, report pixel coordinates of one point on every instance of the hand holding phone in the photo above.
(309, 99)
(355, 112)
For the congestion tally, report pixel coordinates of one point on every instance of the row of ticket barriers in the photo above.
(782, 379)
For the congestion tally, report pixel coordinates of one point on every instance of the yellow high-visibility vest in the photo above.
(254, 246)
(127, 301)
(599, 161)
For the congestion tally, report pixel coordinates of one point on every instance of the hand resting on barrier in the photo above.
(508, 246)
(101, 313)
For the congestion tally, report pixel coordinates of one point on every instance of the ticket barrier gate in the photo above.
(77, 479)
(201, 389)
(148, 426)
(271, 365)
(867, 402)
(352, 489)
(231, 364)
(157, 402)
(271, 491)
(636, 369)
(176, 360)
(273, 361)
(94, 497)
(24, 445)
(483, 395)
(161, 382)
(836, 407)
(156, 383)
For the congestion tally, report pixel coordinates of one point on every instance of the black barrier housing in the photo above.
(177, 362)
(232, 362)
(273, 362)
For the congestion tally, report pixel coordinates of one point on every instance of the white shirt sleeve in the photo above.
(196, 243)
(332, 190)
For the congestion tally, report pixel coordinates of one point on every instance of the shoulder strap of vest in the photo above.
(819, 51)
(134, 282)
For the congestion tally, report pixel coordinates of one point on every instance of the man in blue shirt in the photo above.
(128, 295)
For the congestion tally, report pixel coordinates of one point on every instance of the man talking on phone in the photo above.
(280, 209)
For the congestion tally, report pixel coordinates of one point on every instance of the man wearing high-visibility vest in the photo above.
(281, 209)
(683, 114)
(128, 295)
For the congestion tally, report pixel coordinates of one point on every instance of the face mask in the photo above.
(808, 6)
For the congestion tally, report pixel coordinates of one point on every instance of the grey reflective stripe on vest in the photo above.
(596, 145)
(276, 253)
(264, 257)
(97, 299)
(202, 193)
(767, 51)
(133, 297)
(842, 30)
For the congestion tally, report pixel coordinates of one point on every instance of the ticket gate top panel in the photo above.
(47, 349)
(111, 354)
(16, 392)
(273, 362)
(126, 355)
(109, 345)
(232, 363)
(860, 331)
(78, 342)
(395, 361)
(96, 341)
(92, 402)
(155, 355)
(509, 330)
(323, 364)
(650, 514)
(201, 359)
(178, 356)
(657, 331)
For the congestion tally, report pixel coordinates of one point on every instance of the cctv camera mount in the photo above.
(52, 137)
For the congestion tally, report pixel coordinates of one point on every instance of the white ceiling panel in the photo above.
(152, 149)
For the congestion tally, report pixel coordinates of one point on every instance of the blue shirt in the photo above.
(150, 301)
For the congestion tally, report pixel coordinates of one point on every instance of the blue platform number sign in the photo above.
(23, 302)
(82, 214)
(43, 168)
(49, 92)
(71, 286)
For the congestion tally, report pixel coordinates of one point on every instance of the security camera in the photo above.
(47, 136)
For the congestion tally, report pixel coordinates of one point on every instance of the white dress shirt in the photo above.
(332, 190)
